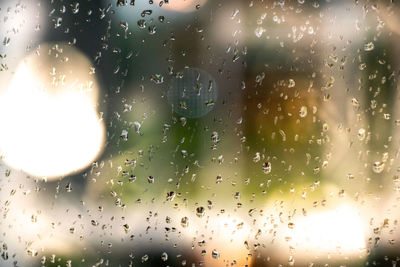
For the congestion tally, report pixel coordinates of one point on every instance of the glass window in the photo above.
(199, 133)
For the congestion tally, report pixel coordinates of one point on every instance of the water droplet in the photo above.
(75, 8)
(126, 228)
(157, 78)
(124, 135)
(234, 13)
(152, 29)
(259, 31)
(150, 179)
(164, 256)
(68, 187)
(267, 167)
(141, 23)
(147, 12)
(369, 46)
(292, 83)
(200, 211)
(303, 112)
(145, 258)
(185, 222)
(361, 134)
(378, 166)
(132, 178)
(215, 254)
(170, 196)
(316, 170)
(257, 157)
(193, 93)
(355, 103)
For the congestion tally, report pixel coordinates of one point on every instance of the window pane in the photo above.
(199, 133)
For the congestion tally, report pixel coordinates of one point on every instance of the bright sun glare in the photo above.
(47, 133)
(340, 230)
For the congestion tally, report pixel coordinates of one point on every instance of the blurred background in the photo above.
(199, 133)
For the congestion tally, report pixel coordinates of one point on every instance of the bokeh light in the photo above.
(183, 5)
(50, 123)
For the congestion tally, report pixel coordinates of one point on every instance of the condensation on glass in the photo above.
(199, 133)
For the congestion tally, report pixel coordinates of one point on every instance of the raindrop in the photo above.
(126, 228)
(164, 256)
(267, 167)
(185, 222)
(200, 211)
(361, 134)
(170, 196)
(259, 31)
(132, 178)
(145, 258)
(152, 29)
(141, 23)
(355, 103)
(292, 83)
(378, 166)
(234, 13)
(257, 157)
(369, 46)
(192, 94)
(303, 112)
(157, 78)
(68, 187)
(147, 12)
(215, 254)
(215, 137)
(150, 179)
